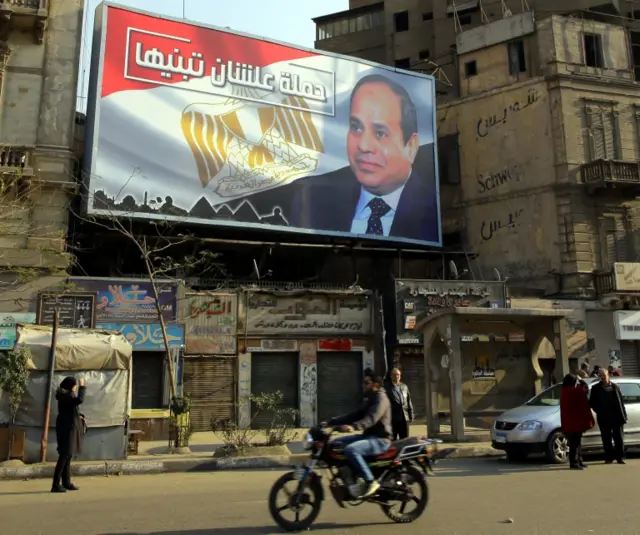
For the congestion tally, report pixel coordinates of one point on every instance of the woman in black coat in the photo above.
(69, 431)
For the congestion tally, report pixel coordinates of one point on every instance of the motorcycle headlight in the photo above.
(529, 425)
(308, 442)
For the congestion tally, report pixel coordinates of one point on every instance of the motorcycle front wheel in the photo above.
(408, 476)
(304, 506)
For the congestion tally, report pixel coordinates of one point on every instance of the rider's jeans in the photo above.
(358, 447)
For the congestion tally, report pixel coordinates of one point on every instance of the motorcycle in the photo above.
(406, 462)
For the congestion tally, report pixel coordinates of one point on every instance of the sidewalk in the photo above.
(154, 459)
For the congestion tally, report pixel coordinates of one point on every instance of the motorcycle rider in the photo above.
(374, 418)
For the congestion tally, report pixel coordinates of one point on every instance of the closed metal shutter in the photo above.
(412, 368)
(147, 380)
(210, 381)
(273, 372)
(629, 359)
(339, 383)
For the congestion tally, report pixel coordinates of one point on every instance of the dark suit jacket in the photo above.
(401, 405)
(328, 202)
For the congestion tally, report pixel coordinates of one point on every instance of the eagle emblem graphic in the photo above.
(243, 147)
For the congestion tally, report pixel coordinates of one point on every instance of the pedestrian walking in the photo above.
(606, 401)
(614, 372)
(595, 372)
(583, 373)
(70, 427)
(575, 417)
(401, 405)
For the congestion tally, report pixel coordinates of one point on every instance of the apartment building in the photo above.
(39, 52)
(539, 148)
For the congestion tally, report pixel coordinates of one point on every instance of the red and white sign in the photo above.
(198, 124)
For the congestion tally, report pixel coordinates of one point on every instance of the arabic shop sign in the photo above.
(129, 300)
(147, 336)
(414, 298)
(318, 314)
(211, 323)
(627, 276)
(8, 323)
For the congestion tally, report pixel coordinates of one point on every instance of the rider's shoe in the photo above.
(371, 488)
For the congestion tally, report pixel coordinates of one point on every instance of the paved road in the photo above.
(467, 498)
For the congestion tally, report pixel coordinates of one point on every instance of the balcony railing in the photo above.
(623, 278)
(25, 14)
(24, 4)
(16, 159)
(612, 174)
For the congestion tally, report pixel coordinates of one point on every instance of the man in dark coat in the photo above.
(606, 401)
(401, 405)
(69, 431)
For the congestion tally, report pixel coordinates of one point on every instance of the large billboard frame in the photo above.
(93, 124)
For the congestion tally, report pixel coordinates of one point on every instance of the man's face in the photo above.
(378, 155)
(604, 375)
(369, 385)
(396, 376)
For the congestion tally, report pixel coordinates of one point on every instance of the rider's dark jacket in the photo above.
(374, 417)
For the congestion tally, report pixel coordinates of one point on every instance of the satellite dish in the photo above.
(453, 269)
(256, 271)
(497, 274)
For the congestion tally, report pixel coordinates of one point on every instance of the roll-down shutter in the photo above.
(273, 372)
(412, 368)
(210, 381)
(339, 383)
(629, 359)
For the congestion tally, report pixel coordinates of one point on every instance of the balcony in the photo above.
(24, 15)
(612, 175)
(623, 278)
(16, 159)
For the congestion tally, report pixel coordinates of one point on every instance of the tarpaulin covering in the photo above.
(107, 400)
(76, 349)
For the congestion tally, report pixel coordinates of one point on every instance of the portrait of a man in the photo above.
(388, 188)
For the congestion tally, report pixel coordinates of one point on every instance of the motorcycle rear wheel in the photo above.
(276, 511)
(405, 518)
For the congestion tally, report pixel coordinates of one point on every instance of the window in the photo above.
(635, 53)
(401, 21)
(550, 396)
(593, 54)
(630, 392)
(464, 20)
(517, 60)
(470, 69)
(449, 159)
(424, 54)
(427, 16)
(602, 130)
(403, 63)
(615, 236)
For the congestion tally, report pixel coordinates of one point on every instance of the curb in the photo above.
(198, 464)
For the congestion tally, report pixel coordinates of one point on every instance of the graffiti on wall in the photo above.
(487, 124)
(308, 384)
(510, 220)
(495, 180)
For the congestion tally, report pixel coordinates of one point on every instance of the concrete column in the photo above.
(431, 396)
(561, 347)
(455, 376)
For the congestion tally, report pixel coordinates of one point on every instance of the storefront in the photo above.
(311, 348)
(8, 322)
(128, 306)
(627, 329)
(421, 298)
(210, 363)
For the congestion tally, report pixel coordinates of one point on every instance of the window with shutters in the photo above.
(449, 159)
(615, 236)
(148, 380)
(602, 131)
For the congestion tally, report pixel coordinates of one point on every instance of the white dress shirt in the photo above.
(363, 212)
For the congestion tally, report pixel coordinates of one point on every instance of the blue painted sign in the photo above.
(8, 332)
(147, 336)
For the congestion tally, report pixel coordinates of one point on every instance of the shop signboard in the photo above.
(8, 321)
(211, 323)
(417, 297)
(148, 336)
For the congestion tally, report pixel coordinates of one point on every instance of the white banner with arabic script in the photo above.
(318, 314)
(211, 323)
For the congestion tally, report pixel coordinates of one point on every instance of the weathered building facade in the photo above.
(39, 53)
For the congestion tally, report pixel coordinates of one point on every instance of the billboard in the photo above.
(202, 125)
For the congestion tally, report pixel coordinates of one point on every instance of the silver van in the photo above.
(535, 426)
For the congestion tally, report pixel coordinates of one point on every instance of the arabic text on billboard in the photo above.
(203, 125)
(129, 301)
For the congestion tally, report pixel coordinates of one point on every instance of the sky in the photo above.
(283, 20)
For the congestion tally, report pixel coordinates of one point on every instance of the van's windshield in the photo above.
(550, 396)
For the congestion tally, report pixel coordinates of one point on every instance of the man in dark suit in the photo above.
(382, 192)
(401, 405)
